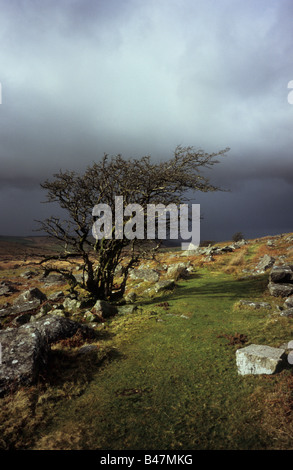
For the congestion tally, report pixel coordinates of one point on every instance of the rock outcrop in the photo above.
(53, 278)
(27, 301)
(178, 271)
(7, 288)
(281, 281)
(24, 350)
(265, 263)
(146, 274)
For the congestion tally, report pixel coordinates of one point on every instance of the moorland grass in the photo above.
(163, 377)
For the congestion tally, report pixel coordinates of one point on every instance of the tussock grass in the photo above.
(69, 437)
(236, 263)
(277, 417)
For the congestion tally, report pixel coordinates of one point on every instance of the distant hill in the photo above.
(14, 246)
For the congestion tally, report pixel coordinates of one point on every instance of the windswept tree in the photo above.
(137, 181)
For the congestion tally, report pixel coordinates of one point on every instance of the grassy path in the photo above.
(173, 383)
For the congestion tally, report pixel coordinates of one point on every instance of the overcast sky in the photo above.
(81, 78)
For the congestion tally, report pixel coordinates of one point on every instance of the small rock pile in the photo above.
(262, 359)
(281, 281)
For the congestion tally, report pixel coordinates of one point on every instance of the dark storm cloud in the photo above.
(80, 78)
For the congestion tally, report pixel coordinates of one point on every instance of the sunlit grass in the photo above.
(165, 376)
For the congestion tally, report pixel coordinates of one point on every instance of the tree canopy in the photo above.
(138, 181)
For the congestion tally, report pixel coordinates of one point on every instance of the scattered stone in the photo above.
(289, 302)
(45, 309)
(255, 305)
(281, 274)
(31, 295)
(88, 348)
(28, 274)
(265, 263)
(167, 284)
(131, 297)
(138, 285)
(89, 316)
(29, 300)
(53, 328)
(150, 275)
(281, 281)
(37, 317)
(240, 243)
(178, 271)
(5, 312)
(56, 295)
(21, 319)
(288, 312)
(192, 250)
(216, 250)
(53, 278)
(57, 311)
(208, 259)
(4, 289)
(259, 359)
(7, 288)
(279, 308)
(288, 345)
(127, 309)
(81, 277)
(104, 309)
(71, 305)
(226, 249)
(6, 305)
(25, 306)
(280, 290)
(150, 292)
(210, 249)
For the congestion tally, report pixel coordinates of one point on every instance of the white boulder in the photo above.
(259, 359)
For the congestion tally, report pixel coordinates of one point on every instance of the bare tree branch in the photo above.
(139, 181)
